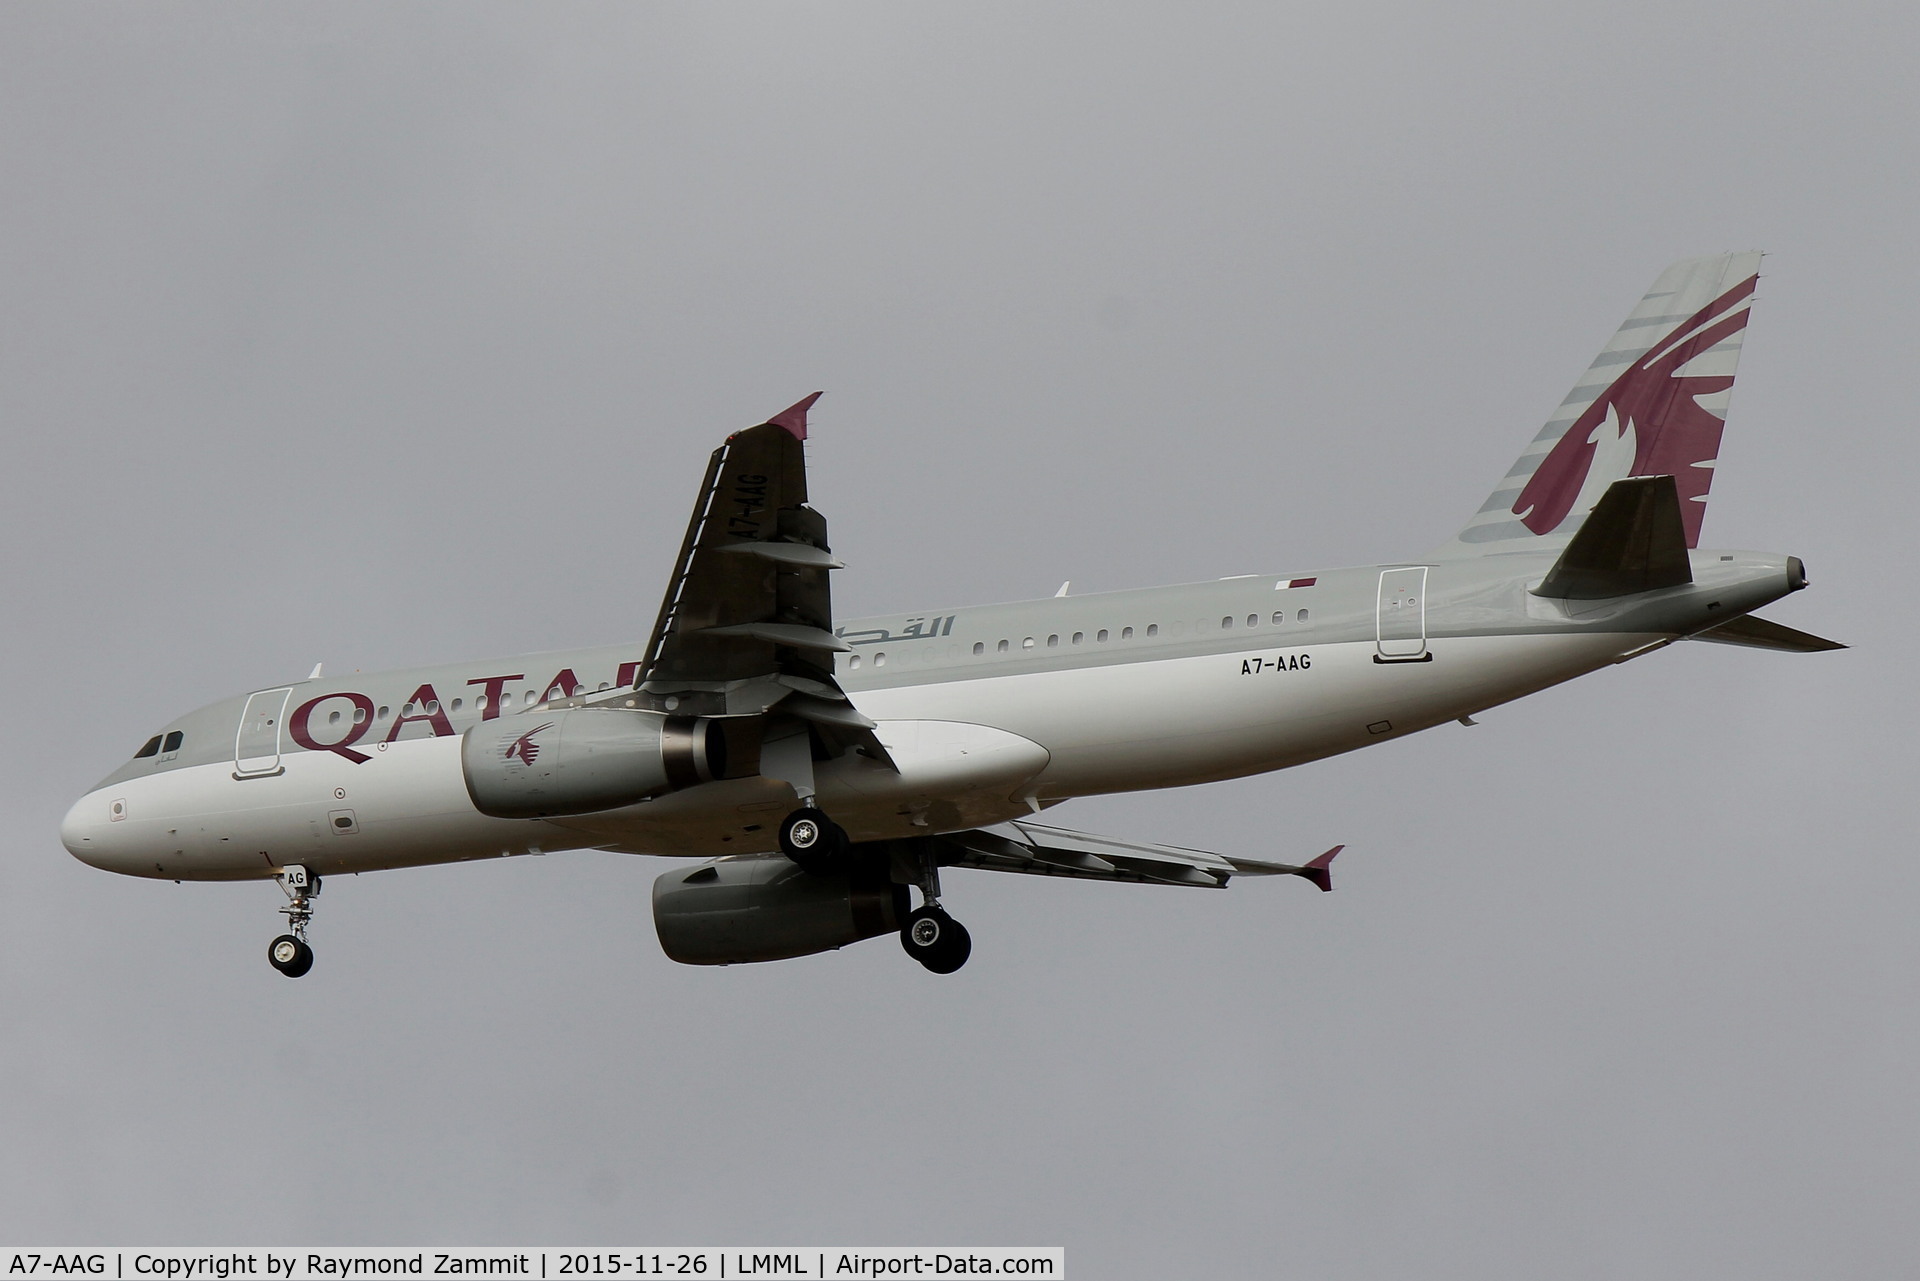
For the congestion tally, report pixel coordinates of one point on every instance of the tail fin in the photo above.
(1654, 402)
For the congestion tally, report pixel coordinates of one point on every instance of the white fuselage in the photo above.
(972, 746)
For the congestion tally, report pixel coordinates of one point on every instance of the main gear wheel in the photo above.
(936, 940)
(814, 841)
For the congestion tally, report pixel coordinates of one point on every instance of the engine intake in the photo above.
(580, 759)
(767, 909)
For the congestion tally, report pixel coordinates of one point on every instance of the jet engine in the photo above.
(580, 759)
(767, 909)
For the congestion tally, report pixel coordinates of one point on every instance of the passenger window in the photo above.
(1053, 642)
(854, 662)
(359, 716)
(1253, 620)
(382, 714)
(333, 718)
(1002, 648)
(979, 648)
(1027, 643)
(1078, 637)
(456, 702)
(1300, 617)
(1126, 633)
(1279, 617)
(1226, 624)
(879, 660)
(152, 748)
(173, 742)
(1102, 636)
(1153, 629)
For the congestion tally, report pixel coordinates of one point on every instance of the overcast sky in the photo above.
(383, 335)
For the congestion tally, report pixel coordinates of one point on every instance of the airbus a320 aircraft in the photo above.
(822, 767)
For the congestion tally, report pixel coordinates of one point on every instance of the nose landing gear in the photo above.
(289, 953)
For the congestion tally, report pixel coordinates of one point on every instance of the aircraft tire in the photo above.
(936, 940)
(291, 956)
(814, 841)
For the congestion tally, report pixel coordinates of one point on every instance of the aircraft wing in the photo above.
(1056, 851)
(747, 623)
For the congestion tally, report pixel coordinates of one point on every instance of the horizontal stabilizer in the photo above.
(1633, 541)
(1758, 633)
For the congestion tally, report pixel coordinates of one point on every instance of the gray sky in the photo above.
(393, 334)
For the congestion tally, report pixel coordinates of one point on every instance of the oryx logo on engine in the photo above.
(524, 747)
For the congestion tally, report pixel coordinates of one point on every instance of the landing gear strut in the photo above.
(814, 841)
(930, 936)
(289, 953)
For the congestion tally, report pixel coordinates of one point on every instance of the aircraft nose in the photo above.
(85, 831)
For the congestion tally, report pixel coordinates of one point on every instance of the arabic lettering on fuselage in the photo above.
(356, 714)
(916, 628)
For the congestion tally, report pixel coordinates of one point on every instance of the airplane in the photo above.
(821, 769)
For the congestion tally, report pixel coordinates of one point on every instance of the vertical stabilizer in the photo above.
(1652, 403)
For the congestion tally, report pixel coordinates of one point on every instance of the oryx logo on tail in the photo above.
(1650, 422)
(524, 747)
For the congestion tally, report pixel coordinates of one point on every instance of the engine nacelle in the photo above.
(580, 759)
(767, 909)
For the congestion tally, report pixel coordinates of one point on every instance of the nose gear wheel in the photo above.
(291, 956)
(290, 953)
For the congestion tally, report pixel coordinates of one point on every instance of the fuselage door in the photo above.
(256, 749)
(1402, 629)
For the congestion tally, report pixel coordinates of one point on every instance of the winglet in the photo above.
(1320, 871)
(794, 418)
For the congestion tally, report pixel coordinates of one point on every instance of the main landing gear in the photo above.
(821, 847)
(930, 936)
(289, 953)
(814, 841)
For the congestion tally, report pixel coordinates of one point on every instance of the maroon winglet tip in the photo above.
(1320, 871)
(794, 418)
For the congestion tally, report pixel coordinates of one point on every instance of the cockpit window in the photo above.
(151, 749)
(173, 741)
